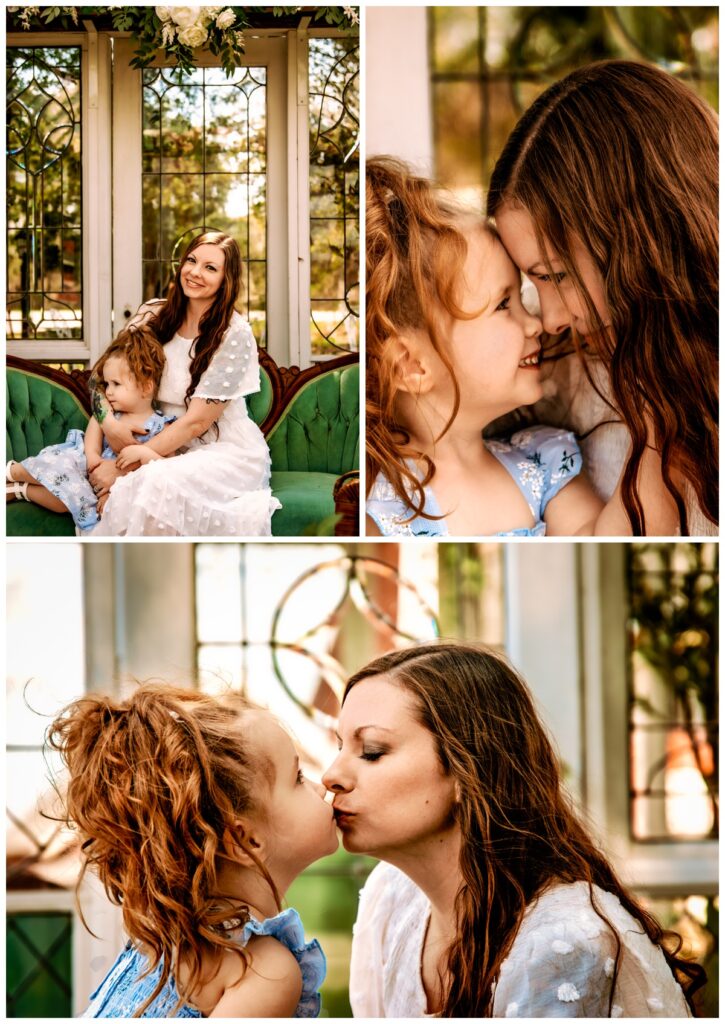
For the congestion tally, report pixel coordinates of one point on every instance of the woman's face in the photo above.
(563, 307)
(391, 793)
(202, 273)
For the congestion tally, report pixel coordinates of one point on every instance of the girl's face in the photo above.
(495, 354)
(123, 392)
(391, 793)
(563, 307)
(202, 273)
(296, 821)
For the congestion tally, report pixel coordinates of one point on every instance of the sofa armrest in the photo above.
(346, 493)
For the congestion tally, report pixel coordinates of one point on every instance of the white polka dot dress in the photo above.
(561, 963)
(219, 485)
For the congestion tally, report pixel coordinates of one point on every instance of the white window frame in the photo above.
(95, 203)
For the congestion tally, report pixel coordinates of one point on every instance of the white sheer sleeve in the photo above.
(234, 369)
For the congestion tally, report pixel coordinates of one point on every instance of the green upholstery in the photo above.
(259, 404)
(314, 441)
(39, 412)
(319, 431)
(306, 499)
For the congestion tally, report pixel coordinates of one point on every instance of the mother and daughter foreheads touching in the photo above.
(492, 898)
(606, 197)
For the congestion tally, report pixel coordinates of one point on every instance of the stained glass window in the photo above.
(205, 169)
(44, 223)
(39, 965)
(334, 195)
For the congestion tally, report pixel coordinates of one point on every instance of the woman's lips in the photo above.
(343, 819)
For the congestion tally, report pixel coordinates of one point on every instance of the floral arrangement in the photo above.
(177, 31)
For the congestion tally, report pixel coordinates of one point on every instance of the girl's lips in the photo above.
(530, 362)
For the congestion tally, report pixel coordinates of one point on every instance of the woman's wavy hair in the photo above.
(624, 157)
(157, 785)
(415, 249)
(215, 321)
(139, 347)
(519, 832)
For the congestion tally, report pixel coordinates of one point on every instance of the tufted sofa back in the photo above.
(39, 412)
(259, 404)
(319, 431)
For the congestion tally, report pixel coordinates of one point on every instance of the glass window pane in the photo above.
(334, 195)
(43, 167)
(204, 168)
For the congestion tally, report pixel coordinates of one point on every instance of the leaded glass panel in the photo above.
(39, 965)
(334, 195)
(43, 167)
(205, 169)
(673, 698)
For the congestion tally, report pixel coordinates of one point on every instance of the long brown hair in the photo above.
(415, 250)
(519, 832)
(139, 347)
(624, 157)
(157, 784)
(215, 321)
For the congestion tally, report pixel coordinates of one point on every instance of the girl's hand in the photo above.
(118, 434)
(133, 454)
(92, 463)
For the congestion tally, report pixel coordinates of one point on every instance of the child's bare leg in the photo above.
(19, 473)
(40, 495)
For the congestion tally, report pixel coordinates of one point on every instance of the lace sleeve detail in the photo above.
(234, 369)
(562, 969)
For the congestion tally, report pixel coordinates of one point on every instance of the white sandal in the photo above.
(18, 490)
(9, 478)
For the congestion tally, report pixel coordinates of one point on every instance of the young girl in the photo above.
(606, 196)
(450, 349)
(57, 478)
(194, 813)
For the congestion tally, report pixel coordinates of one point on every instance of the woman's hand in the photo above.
(118, 434)
(104, 476)
(134, 454)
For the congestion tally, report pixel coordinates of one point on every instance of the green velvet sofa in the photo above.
(310, 418)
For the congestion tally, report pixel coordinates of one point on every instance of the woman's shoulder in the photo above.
(239, 326)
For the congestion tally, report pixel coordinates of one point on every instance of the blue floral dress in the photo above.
(122, 991)
(61, 469)
(541, 461)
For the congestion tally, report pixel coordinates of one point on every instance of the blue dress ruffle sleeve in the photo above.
(123, 990)
(541, 460)
(61, 469)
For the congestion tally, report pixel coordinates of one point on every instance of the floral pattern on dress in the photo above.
(541, 460)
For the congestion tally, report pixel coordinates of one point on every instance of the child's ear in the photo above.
(244, 843)
(412, 367)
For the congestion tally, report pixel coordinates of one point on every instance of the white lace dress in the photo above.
(560, 965)
(219, 485)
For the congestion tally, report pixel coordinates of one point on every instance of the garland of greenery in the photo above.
(177, 31)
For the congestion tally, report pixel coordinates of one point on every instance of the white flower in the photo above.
(193, 35)
(226, 19)
(168, 33)
(567, 993)
(185, 17)
(164, 13)
(73, 13)
(351, 13)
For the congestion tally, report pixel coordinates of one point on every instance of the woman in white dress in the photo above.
(493, 900)
(214, 478)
